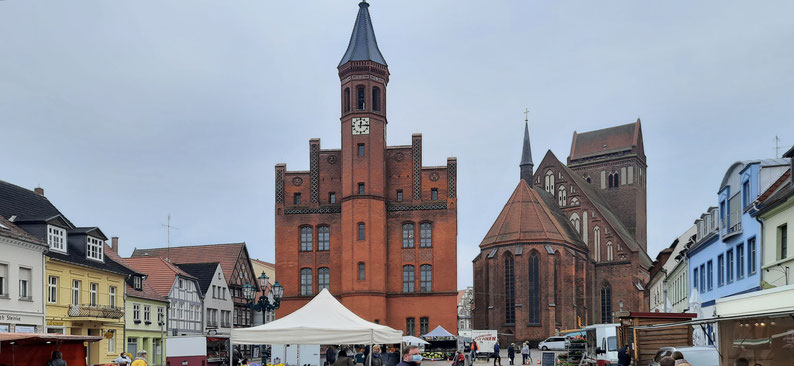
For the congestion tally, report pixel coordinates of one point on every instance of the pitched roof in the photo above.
(363, 46)
(528, 216)
(202, 271)
(8, 229)
(775, 195)
(606, 140)
(146, 291)
(160, 274)
(225, 254)
(26, 204)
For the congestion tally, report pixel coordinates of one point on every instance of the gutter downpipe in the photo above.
(760, 240)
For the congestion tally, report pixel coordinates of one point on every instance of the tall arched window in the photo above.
(557, 305)
(375, 98)
(323, 238)
(408, 278)
(550, 181)
(425, 235)
(610, 254)
(597, 243)
(576, 222)
(323, 278)
(306, 239)
(534, 288)
(510, 291)
(614, 179)
(362, 271)
(347, 100)
(606, 304)
(562, 196)
(361, 97)
(306, 281)
(425, 278)
(408, 235)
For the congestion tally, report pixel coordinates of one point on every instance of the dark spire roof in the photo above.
(363, 46)
(526, 156)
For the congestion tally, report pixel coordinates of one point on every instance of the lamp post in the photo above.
(263, 303)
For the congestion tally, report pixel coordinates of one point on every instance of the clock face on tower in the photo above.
(361, 126)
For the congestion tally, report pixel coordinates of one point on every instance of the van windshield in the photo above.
(612, 343)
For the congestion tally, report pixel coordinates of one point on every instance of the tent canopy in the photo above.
(323, 320)
(414, 341)
(439, 332)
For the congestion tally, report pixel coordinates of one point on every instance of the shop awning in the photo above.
(34, 338)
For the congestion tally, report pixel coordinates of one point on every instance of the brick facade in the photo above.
(364, 178)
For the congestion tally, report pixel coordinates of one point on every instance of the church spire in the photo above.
(363, 46)
(526, 154)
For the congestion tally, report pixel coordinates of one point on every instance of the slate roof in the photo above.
(225, 254)
(160, 274)
(526, 149)
(606, 140)
(26, 204)
(8, 229)
(529, 217)
(202, 271)
(363, 46)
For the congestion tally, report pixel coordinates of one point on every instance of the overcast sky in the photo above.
(126, 111)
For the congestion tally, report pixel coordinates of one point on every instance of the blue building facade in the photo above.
(726, 258)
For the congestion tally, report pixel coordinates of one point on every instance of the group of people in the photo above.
(676, 359)
(56, 359)
(511, 354)
(346, 356)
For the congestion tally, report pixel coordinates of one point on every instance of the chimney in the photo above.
(114, 244)
(39, 191)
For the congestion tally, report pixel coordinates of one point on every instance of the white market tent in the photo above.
(414, 341)
(323, 320)
(439, 332)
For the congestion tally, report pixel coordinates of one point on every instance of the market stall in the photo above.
(443, 344)
(34, 349)
(323, 320)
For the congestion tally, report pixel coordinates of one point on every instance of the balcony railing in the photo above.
(735, 227)
(89, 311)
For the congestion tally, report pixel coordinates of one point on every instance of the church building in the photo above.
(369, 222)
(569, 247)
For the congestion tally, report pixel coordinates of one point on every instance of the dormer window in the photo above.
(56, 238)
(94, 250)
(137, 283)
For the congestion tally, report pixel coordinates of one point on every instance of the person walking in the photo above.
(374, 358)
(473, 352)
(496, 355)
(345, 358)
(525, 354)
(56, 359)
(330, 355)
(141, 359)
(624, 355)
(511, 353)
(123, 360)
(411, 356)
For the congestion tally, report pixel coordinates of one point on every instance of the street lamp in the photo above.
(263, 302)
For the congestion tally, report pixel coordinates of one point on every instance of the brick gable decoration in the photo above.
(374, 226)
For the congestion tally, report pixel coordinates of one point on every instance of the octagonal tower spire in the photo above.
(363, 46)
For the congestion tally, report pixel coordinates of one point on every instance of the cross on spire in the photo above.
(526, 152)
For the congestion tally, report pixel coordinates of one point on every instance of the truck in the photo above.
(186, 351)
(601, 345)
(485, 340)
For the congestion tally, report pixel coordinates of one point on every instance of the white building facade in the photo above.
(22, 275)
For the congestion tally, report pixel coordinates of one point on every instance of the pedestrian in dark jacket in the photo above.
(511, 353)
(345, 358)
(374, 357)
(56, 359)
(411, 356)
(330, 355)
(496, 355)
(624, 355)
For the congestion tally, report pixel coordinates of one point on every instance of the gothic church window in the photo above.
(574, 201)
(550, 182)
(575, 222)
(597, 243)
(610, 254)
(562, 196)
(606, 304)
(534, 288)
(510, 300)
(614, 179)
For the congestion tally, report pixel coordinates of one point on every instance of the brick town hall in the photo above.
(569, 247)
(368, 221)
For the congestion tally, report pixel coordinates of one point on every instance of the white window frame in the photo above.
(112, 342)
(94, 249)
(147, 313)
(4, 279)
(76, 292)
(93, 289)
(52, 290)
(25, 284)
(160, 314)
(56, 238)
(112, 296)
(136, 311)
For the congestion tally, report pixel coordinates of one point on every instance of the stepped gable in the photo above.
(529, 217)
(225, 254)
(606, 141)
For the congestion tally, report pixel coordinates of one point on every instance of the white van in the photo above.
(602, 344)
(553, 343)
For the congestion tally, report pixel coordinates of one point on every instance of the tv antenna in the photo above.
(168, 228)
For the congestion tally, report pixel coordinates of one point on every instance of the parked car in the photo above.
(700, 356)
(553, 343)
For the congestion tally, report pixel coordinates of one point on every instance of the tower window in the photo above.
(347, 100)
(360, 149)
(306, 239)
(399, 195)
(362, 271)
(408, 278)
(331, 197)
(426, 235)
(361, 188)
(434, 194)
(376, 99)
(323, 238)
(360, 91)
(296, 198)
(361, 234)
(408, 235)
